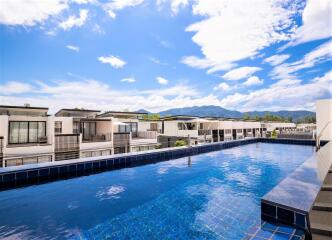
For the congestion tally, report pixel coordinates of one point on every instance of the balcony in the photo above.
(202, 132)
(66, 143)
(97, 138)
(145, 135)
(121, 139)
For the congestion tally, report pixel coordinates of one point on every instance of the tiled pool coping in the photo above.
(292, 199)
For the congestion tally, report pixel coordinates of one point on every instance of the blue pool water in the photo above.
(209, 196)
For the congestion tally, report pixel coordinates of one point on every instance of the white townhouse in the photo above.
(80, 131)
(26, 135)
(132, 132)
(200, 129)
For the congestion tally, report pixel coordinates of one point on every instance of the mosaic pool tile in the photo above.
(268, 231)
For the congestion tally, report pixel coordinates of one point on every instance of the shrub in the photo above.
(180, 143)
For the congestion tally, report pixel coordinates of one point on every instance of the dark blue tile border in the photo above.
(64, 170)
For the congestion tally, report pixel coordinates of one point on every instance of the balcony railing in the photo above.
(67, 142)
(97, 138)
(121, 139)
(146, 135)
(202, 132)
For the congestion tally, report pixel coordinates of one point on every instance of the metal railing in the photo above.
(67, 142)
(204, 132)
(97, 138)
(121, 139)
(146, 134)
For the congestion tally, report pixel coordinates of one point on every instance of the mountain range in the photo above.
(216, 111)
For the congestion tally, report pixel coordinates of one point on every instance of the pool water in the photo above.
(208, 196)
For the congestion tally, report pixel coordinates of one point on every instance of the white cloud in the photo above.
(97, 29)
(116, 5)
(285, 94)
(320, 54)
(29, 13)
(14, 87)
(222, 86)
(236, 30)
(114, 61)
(276, 59)
(74, 21)
(73, 48)
(177, 4)
(240, 73)
(162, 81)
(157, 61)
(128, 80)
(97, 95)
(253, 81)
(317, 22)
(203, 63)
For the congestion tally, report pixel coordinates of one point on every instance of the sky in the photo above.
(161, 54)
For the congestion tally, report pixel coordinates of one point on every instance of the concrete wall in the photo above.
(146, 125)
(67, 124)
(324, 117)
(171, 129)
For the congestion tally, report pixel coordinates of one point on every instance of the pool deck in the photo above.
(291, 201)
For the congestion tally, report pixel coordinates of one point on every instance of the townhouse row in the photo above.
(30, 135)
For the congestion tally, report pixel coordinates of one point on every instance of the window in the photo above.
(89, 130)
(153, 126)
(186, 126)
(201, 126)
(129, 127)
(76, 127)
(26, 132)
(239, 130)
(58, 127)
(228, 131)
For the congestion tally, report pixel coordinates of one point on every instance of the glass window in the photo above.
(23, 134)
(58, 127)
(14, 129)
(89, 129)
(33, 132)
(26, 132)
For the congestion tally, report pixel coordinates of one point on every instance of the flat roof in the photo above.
(23, 107)
(175, 117)
(119, 113)
(75, 110)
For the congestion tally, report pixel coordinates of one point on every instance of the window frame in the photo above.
(28, 130)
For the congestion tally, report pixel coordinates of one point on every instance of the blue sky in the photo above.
(156, 55)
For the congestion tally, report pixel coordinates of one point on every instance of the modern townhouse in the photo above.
(279, 126)
(82, 129)
(26, 135)
(181, 127)
(132, 132)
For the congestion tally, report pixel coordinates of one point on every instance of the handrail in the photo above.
(320, 135)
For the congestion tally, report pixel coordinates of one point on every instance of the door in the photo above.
(234, 134)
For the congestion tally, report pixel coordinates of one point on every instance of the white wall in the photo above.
(67, 124)
(323, 117)
(171, 129)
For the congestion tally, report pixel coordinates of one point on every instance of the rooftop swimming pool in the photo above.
(214, 195)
